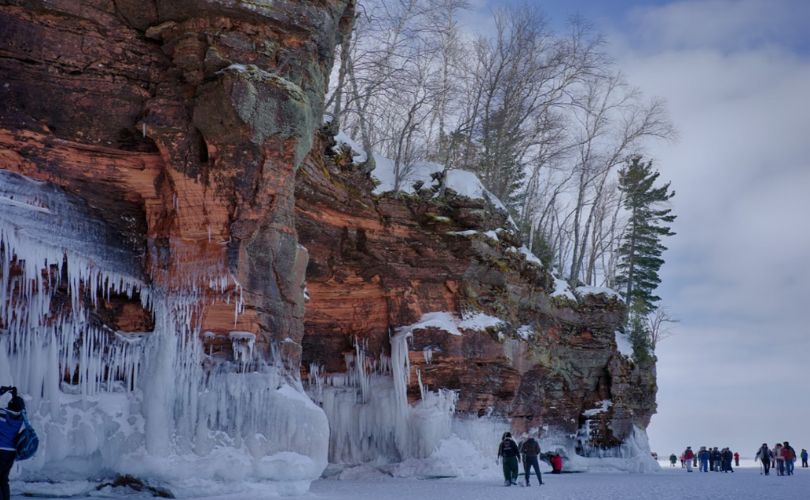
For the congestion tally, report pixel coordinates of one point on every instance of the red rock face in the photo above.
(378, 263)
(181, 123)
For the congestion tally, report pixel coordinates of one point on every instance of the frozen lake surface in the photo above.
(745, 483)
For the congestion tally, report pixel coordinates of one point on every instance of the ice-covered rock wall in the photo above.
(151, 295)
(151, 404)
(164, 220)
(485, 319)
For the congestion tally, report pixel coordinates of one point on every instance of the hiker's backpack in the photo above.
(531, 447)
(26, 441)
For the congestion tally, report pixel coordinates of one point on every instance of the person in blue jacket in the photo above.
(11, 424)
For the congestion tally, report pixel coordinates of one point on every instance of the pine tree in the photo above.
(639, 334)
(641, 248)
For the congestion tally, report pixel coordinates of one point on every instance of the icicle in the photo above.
(127, 393)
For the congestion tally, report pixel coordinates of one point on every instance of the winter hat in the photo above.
(16, 404)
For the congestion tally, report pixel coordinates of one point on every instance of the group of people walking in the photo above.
(510, 453)
(781, 458)
(710, 459)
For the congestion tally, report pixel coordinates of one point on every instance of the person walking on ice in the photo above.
(703, 457)
(804, 458)
(673, 459)
(779, 459)
(529, 450)
(688, 457)
(11, 426)
(508, 451)
(764, 456)
(789, 454)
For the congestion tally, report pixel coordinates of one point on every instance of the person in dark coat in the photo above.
(804, 458)
(529, 450)
(509, 452)
(11, 424)
(725, 459)
(717, 459)
(764, 456)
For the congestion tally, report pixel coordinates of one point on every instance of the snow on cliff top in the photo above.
(461, 181)
(358, 153)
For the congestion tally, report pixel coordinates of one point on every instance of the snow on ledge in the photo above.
(623, 344)
(561, 289)
(525, 332)
(479, 322)
(468, 232)
(604, 405)
(530, 257)
(359, 154)
(491, 235)
(451, 323)
(597, 290)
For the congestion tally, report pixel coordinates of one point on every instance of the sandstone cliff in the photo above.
(184, 133)
(381, 262)
(181, 123)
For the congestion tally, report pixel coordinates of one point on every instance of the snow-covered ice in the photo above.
(669, 484)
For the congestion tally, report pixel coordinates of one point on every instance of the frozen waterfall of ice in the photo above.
(150, 404)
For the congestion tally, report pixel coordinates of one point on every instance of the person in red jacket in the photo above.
(688, 456)
(556, 463)
(736, 459)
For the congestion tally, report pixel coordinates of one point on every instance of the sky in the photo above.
(736, 78)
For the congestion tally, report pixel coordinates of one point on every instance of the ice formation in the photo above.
(151, 404)
(369, 415)
(157, 406)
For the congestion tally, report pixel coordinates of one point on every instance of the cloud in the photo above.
(735, 76)
(721, 24)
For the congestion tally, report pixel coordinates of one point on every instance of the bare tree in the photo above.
(659, 326)
(543, 118)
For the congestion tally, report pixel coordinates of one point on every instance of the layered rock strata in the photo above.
(378, 263)
(181, 123)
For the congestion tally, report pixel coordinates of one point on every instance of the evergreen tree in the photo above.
(639, 334)
(641, 249)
